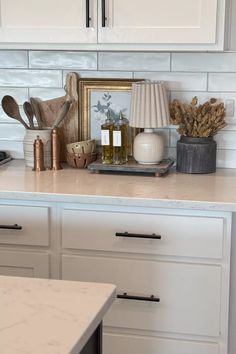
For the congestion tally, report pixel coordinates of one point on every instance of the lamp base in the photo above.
(148, 148)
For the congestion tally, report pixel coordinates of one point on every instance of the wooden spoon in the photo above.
(29, 113)
(35, 106)
(11, 108)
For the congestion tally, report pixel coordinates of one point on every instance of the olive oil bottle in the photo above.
(120, 141)
(107, 140)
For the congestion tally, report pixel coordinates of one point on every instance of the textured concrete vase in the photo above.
(196, 155)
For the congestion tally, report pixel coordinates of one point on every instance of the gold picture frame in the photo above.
(95, 97)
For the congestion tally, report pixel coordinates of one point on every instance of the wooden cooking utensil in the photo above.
(11, 108)
(35, 106)
(29, 113)
(63, 112)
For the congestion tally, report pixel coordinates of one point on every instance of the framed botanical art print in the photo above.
(96, 97)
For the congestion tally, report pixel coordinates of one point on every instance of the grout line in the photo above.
(97, 61)
(28, 60)
(207, 82)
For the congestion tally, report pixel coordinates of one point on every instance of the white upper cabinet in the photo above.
(114, 24)
(48, 21)
(158, 21)
(232, 25)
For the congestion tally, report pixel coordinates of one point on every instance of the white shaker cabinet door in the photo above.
(158, 21)
(47, 21)
(24, 264)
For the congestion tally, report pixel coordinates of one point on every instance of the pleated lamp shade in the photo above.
(149, 110)
(149, 105)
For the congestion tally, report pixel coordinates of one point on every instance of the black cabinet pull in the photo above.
(104, 13)
(128, 234)
(88, 18)
(11, 227)
(151, 298)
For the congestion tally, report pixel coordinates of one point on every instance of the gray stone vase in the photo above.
(196, 155)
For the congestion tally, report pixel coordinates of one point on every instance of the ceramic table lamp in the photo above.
(149, 110)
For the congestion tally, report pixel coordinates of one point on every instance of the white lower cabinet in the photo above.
(180, 258)
(133, 344)
(24, 239)
(24, 225)
(189, 294)
(24, 264)
(171, 268)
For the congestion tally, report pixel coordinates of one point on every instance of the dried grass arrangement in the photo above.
(196, 120)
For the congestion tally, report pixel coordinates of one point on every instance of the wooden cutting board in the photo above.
(49, 109)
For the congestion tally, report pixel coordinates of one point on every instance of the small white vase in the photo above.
(28, 146)
(148, 147)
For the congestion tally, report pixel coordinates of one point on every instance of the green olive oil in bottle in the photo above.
(120, 141)
(107, 140)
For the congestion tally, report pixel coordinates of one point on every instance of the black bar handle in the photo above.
(150, 298)
(87, 13)
(128, 234)
(11, 227)
(104, 13)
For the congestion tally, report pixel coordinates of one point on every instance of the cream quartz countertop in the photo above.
(215, 191)
(44, 316)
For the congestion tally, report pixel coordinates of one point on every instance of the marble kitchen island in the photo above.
(42, 316)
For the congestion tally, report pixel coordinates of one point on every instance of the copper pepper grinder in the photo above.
(55, 148)
(38, 155)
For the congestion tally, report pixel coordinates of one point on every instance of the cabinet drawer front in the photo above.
(192, 236)
(126, 344)
(33, 220)
(24, 264)
(189, 293)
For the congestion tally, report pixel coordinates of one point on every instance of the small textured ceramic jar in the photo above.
(28, 146)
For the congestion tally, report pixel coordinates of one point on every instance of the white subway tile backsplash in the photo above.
(12, 132)
(4, 118)
(13, 59)
(30, 78)
(165, 135)
(177, 81)
(63, 60)
(226, 158)
(204, 62)
(102, 74)
(134, 61)
(174, 137)
(20, 94)
(204, 75)
(170, 152)
(222, 82)
(14, 148)
(226, 139)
